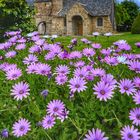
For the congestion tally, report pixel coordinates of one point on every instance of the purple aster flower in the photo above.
(61, 79)
(35, 49)
(10, 54)
(125, 47)
(80, 72)
(79, 64)
(50, 56)
(62, 70)
(13, 74)
(6, 66)
(96, 45)
(108, 34)
(103, 91)
(20, 47)
(45, 93)
(55, 48)
(110, 60)
(95, 134)
(43, 69)
(134, 115)
(75, 55)
(35, 38)
(63, 55)
(55, 108)
(21, 40)
(63, 115)
(106, 52)
(126, 86)
(136, 81)
(40, 42)
(31, 68)
(130, 133)
(13, 39)
(32, 34)
(95, 34)
(136, 98)
(5, 133)
(88, 52)
(30, 59)
(20, 91)
(77, 84)
(48, 122)
(98, 72)
(109, 79)
(120, 42)
(74, 41)
(135, 66)
(85, 41)
(21, 127)
(137, 44)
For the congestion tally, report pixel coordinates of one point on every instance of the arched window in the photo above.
(100, 21)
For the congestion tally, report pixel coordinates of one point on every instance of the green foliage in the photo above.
(126, 12)
(136, 26)
(15, 14)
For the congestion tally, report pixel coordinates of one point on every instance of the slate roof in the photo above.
(93, 7)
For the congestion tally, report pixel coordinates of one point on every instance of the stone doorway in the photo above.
(77, 25)
(42, 27)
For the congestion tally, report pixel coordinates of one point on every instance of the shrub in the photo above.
(136, 26)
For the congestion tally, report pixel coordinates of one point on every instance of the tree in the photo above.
(136, 26)
(15, 14)
(126, 12)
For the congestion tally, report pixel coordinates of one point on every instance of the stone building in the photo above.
(74, 17)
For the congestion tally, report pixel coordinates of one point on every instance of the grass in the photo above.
(86, 111)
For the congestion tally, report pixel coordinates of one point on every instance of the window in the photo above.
(65, 21)
(100, 21)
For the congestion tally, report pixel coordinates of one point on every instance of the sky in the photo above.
(136, 1)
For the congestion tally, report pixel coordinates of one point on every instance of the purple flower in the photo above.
(95, 134)
(20, 91)
(75, 55)
(31, 69)
(13, 74)
(137, 44)
(35, 49)
(21, 127)
(103, 90)
(62, 70)
(30, 59)
(77, 84)
(126, 86)
(125, 47)
(135, 66)
(79, 64)
(95, 34)
(85, 41)
(74, 41)
(45, 93)
(10, 54)
(96, 46)
(106, 52)
(88, 52)
(108, 34)
(20, 47)
(111, 60)
(5, 133)
(40, 42)
(136, 81)
(64, 115)
(98, 72)
(134, 115)
(80, 72)
(61, 79)
(43, 69)
(136, 98)
(50, 56)
(130, 133)
(55, 108)
(48, 122)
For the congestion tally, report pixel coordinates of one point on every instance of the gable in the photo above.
(93, 7)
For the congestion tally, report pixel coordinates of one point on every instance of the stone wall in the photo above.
(57, 6)
(57, 26)
(107, 25)
(78, 10)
